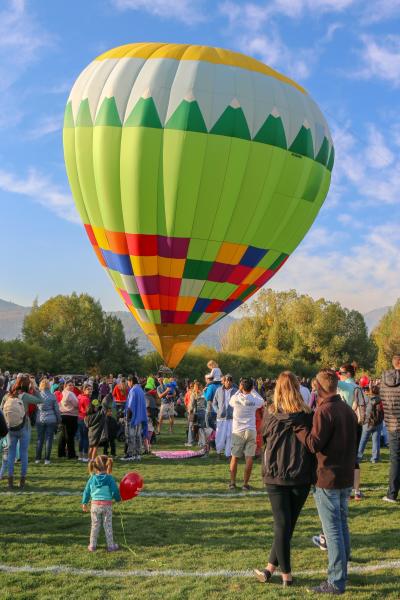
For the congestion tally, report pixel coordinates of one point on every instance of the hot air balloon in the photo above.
(196, 172)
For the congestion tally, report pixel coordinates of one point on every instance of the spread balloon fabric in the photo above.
(196, 171)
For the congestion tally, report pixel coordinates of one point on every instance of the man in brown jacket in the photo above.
(390, 396)
(333, 439)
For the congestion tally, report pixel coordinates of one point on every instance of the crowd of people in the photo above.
(306, 433)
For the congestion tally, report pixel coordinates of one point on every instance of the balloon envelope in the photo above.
(196, 171)
(130, 485)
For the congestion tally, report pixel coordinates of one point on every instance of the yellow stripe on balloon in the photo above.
(218, 56)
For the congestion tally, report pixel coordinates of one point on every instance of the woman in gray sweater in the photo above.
(47, 420)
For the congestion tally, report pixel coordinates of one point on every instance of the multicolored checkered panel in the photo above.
(182, 280)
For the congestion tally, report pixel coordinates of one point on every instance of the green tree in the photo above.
(295, 331)
(79, 336)
(387, 338)
(16, 355)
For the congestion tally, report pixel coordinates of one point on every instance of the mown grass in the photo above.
(192, 534)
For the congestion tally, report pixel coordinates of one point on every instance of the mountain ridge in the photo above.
(12, 316)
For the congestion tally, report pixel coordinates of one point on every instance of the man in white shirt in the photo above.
(245, 404)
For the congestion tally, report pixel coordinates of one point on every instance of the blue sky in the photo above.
(346, 53)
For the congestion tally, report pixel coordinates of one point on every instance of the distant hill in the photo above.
(373, 317)
(12, 317)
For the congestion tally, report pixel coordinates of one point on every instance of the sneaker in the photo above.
(320, 541)
(85, 460)
(246, 487)
(37, 462)
(358, 495)
(126, 457)
(262, 576)
(391, 500)
(113, 548)
(79, 459)
(232, 486)
(47, 462)
(189, 445)
(325, 588)
(91, 548)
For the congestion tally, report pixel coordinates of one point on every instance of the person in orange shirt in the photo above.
(120, 393)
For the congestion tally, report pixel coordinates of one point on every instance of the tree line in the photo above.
(277, 331)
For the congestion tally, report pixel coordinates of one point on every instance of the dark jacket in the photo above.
(333, 438)
(285, 460)
(95, 421)
(390, 396)
(110, 430)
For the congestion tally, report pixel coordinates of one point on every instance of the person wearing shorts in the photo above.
(245, 404)
(166, 394)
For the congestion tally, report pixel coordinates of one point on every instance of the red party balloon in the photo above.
(131, 484)
(364, 381)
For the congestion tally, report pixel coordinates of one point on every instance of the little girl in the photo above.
(215, 373)
(101, 489)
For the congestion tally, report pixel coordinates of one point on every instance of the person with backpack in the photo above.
(15, 409)
(288, 470)
(372, 426)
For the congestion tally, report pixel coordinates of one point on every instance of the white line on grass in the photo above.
(165, 494)
(62, 570)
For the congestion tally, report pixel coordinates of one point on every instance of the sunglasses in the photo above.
(342, 372)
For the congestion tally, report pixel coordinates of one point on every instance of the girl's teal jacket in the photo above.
(101, 487)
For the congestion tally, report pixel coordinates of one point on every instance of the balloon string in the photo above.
(126, 545)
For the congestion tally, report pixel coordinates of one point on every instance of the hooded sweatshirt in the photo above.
(285, 460)
(390, 396)
(101, 487)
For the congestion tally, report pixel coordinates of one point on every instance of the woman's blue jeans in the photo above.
(367, 432)
(22, 436)
(83, 437)
(332, 506)
(45, 434)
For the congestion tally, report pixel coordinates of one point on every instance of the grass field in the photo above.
(209, 530)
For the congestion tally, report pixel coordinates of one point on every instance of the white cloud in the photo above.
(256, 30)
(365, 165)
(187, 11)
(364, 276)
(21, 39)
(41, 189)
(46, 126)
(380, 10)
(378, 154)
(380, 59)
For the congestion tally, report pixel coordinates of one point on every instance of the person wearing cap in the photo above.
(244, 402)
(224, 415)
(390, 397)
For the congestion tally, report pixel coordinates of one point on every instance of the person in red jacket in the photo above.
(83, 405)
(120, 393)
(59, 392)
